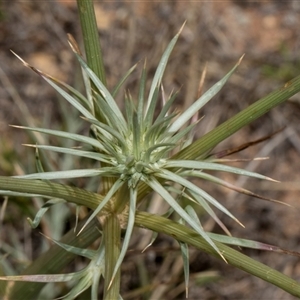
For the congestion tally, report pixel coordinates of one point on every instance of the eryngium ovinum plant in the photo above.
(148, 148)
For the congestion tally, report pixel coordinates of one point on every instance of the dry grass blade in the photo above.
(242, 147)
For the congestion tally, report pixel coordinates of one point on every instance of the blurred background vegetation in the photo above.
(216, 35)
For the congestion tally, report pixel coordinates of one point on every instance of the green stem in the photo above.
(90, 38)
(202, 146)
(94, 56)
(75, 195)
(112, 238)
(233, 257)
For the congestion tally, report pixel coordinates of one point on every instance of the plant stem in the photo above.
(233, 257)
(51, 189)
(112, 230)
(94, 56)
(112, 236)
(204, 145)
(90, 38)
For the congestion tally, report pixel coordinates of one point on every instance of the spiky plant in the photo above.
(149, 148)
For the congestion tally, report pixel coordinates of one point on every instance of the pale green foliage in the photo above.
(135, 148)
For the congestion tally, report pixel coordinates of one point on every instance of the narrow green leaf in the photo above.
(118, 183)
(156, 130)
(88, 91)
(161, 68)
(73, 92)
(200, 200)
(129, 110)
(42, 277)
(129, 229)
(105, 93)
(104, 128)
(190, 210)
(109, 171)
(52, 81)
(229, 185)
(136, 131)
(164, 111)
(95, 285)
(123, 79)
(229, 240)
(35, 223)
(70, 99)
(112, 149)
(156, 186)
(192, 164)
(38, 162)
(88, 253)
(98, 267)
(194, 108)
(151, 109)
(80, 287)
(72, 136)
(81, 153)
(184, 249)
(181, 134)
(189, 185)
(141, 97)
(164, 148)
(196, 198)
(108, 113)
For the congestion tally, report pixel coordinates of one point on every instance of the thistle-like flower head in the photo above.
(137, 148)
